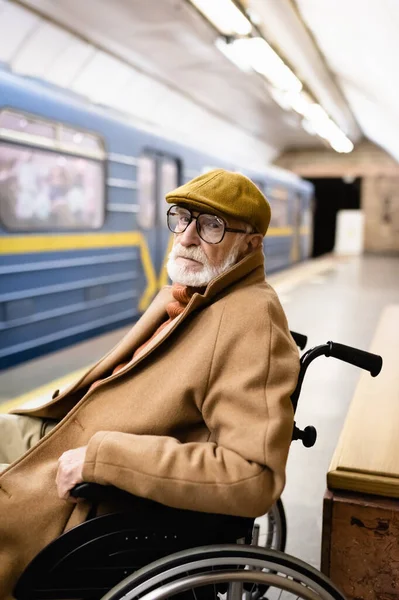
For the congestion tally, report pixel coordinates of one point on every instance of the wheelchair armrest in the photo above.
(96, 493)
(90, 491)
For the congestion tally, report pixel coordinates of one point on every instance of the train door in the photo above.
(296, 226)
(306, 226)
(168, 179)
(157, 174)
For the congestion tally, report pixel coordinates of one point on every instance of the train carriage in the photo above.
(83, 235)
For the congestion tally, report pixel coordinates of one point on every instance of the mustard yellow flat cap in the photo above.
(225, 193)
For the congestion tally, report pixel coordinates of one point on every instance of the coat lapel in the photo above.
(140, 332)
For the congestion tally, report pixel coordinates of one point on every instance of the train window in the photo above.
(147, 190)
(80, 139)
(42, 190)
(278, 198)
(169, 181)
(38, 132)
(279, 212)
(22, 124)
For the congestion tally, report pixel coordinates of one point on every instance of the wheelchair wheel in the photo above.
(270, 531)
(227, 572)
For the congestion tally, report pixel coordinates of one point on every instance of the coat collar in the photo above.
(250, 268)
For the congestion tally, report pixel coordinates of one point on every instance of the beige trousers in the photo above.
(18, 433)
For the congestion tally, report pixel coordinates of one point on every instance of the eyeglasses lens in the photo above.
(211, 227)
(178, 219)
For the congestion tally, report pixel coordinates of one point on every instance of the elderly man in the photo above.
(191, 409)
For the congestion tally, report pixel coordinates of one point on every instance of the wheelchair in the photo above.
(152, 551)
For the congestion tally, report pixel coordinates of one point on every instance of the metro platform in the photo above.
(330, 298)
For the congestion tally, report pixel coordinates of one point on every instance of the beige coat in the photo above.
(201, 419)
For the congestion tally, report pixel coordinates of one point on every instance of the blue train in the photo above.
(83, 236)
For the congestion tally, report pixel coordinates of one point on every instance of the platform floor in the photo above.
(326, 299)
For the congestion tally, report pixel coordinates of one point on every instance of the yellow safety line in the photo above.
(279, 231)
(21, 244)
(149, 273)
(40, 393)
(52, 243)
(49, 243)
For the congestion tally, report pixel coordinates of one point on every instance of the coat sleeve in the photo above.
(241, 469)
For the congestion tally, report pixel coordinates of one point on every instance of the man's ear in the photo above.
(255, 242)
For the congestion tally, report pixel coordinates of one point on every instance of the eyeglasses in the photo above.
(210, 228)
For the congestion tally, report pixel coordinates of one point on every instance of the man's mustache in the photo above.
(195, 253)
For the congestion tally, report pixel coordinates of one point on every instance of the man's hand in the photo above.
(70, 467)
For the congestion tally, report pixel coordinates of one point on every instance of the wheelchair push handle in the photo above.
(359, 358)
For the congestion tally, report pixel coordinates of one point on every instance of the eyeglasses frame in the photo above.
(192, 218)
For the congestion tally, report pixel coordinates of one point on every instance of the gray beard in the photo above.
(186, 276)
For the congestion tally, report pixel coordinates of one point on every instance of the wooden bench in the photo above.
(360, 541)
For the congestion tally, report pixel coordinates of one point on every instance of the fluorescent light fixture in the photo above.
(304, 105)
(301, 102)
(280, 97)
(328, 130)
(317, 114)
(317, 121)
(286, 89)
(224, 15)
(231, 52)
(263, 60)
(308, 127)
(341, 143)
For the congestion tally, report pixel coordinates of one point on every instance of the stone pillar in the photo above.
(380, 202)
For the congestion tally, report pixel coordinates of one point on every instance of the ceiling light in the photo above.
(301, 102)
(224, 15)
(317, 113)
(304, 105)
(233, 54)
(280, 97)
(263, 60)
(308, 127)
(328, 130)
(316, 121)
(341, 143)
(254, 53)
(325, 127)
